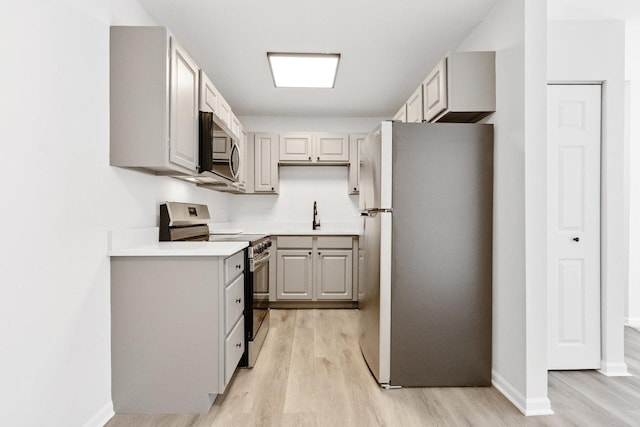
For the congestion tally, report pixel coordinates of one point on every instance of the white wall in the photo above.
(594, 51)
(515, 30)
(300, 186)
(59, 198)
(632, 76)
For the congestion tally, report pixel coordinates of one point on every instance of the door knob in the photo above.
(576, 239)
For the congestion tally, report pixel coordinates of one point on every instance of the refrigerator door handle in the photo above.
(374, 211)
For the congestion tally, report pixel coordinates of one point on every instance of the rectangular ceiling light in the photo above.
(313, 70)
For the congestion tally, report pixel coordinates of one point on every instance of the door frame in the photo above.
(614, 182)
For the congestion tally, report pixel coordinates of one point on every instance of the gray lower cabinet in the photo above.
(177, 331)
(334, 274)
(316, 268)
(295, 274)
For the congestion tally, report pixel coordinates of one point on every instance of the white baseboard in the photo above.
(101, 417)
(529, 407)
(614, 369)
(634, 322)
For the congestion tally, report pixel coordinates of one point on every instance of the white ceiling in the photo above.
(387, 48)
(593, 9)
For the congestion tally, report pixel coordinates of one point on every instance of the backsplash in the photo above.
(300, 186)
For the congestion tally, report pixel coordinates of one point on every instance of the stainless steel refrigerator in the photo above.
(426, 195)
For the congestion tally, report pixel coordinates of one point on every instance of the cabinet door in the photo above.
(209, 95)
(435, 91)
(401, 115)
(414, 107)
(242, 147)
(334, 274)
(296, 147)
(183, 99)
(235, 125)
(332, 147)
(294, 274)
(355, 142)
(265, 163)
(224, 111)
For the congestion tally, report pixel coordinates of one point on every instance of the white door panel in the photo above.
(574, 226)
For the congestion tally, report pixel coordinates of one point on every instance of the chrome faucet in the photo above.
(316, 221)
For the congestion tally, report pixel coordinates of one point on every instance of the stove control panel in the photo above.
(259, 247)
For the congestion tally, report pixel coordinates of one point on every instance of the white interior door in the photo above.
(573, 127)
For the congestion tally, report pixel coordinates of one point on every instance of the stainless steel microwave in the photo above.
(219, 153)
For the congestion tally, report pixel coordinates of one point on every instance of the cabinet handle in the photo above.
(238, 266)
(272, 189)
(318, 158)
(309, 157)
(319, 253)
(238, 300)
(239, 345)
(309, 253)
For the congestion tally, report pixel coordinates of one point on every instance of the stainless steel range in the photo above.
(256, 297)
(188, 222)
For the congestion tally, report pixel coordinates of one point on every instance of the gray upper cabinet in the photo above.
(224, 111)
(183, 110)
(296, 147)
(209, 95)
(414, 107)
(265, 165)
(301, 148)
(242, 147)
(355, 142)
(401, 115)
(461, 88)
(235, 125)
(435, 91)
(332, 147)
(154, 86)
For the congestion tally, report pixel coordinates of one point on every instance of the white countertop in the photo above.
(144, 242)
(318, 232)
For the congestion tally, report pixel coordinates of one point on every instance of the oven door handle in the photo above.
(254, 265)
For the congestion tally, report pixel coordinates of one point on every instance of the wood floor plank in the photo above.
(311, 373)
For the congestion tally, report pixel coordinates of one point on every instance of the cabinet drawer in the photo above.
(233, 349)
(304, 242)
(233, 303)
(337, 242)
(233, 266)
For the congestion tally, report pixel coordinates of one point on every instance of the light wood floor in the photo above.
(311, 373)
